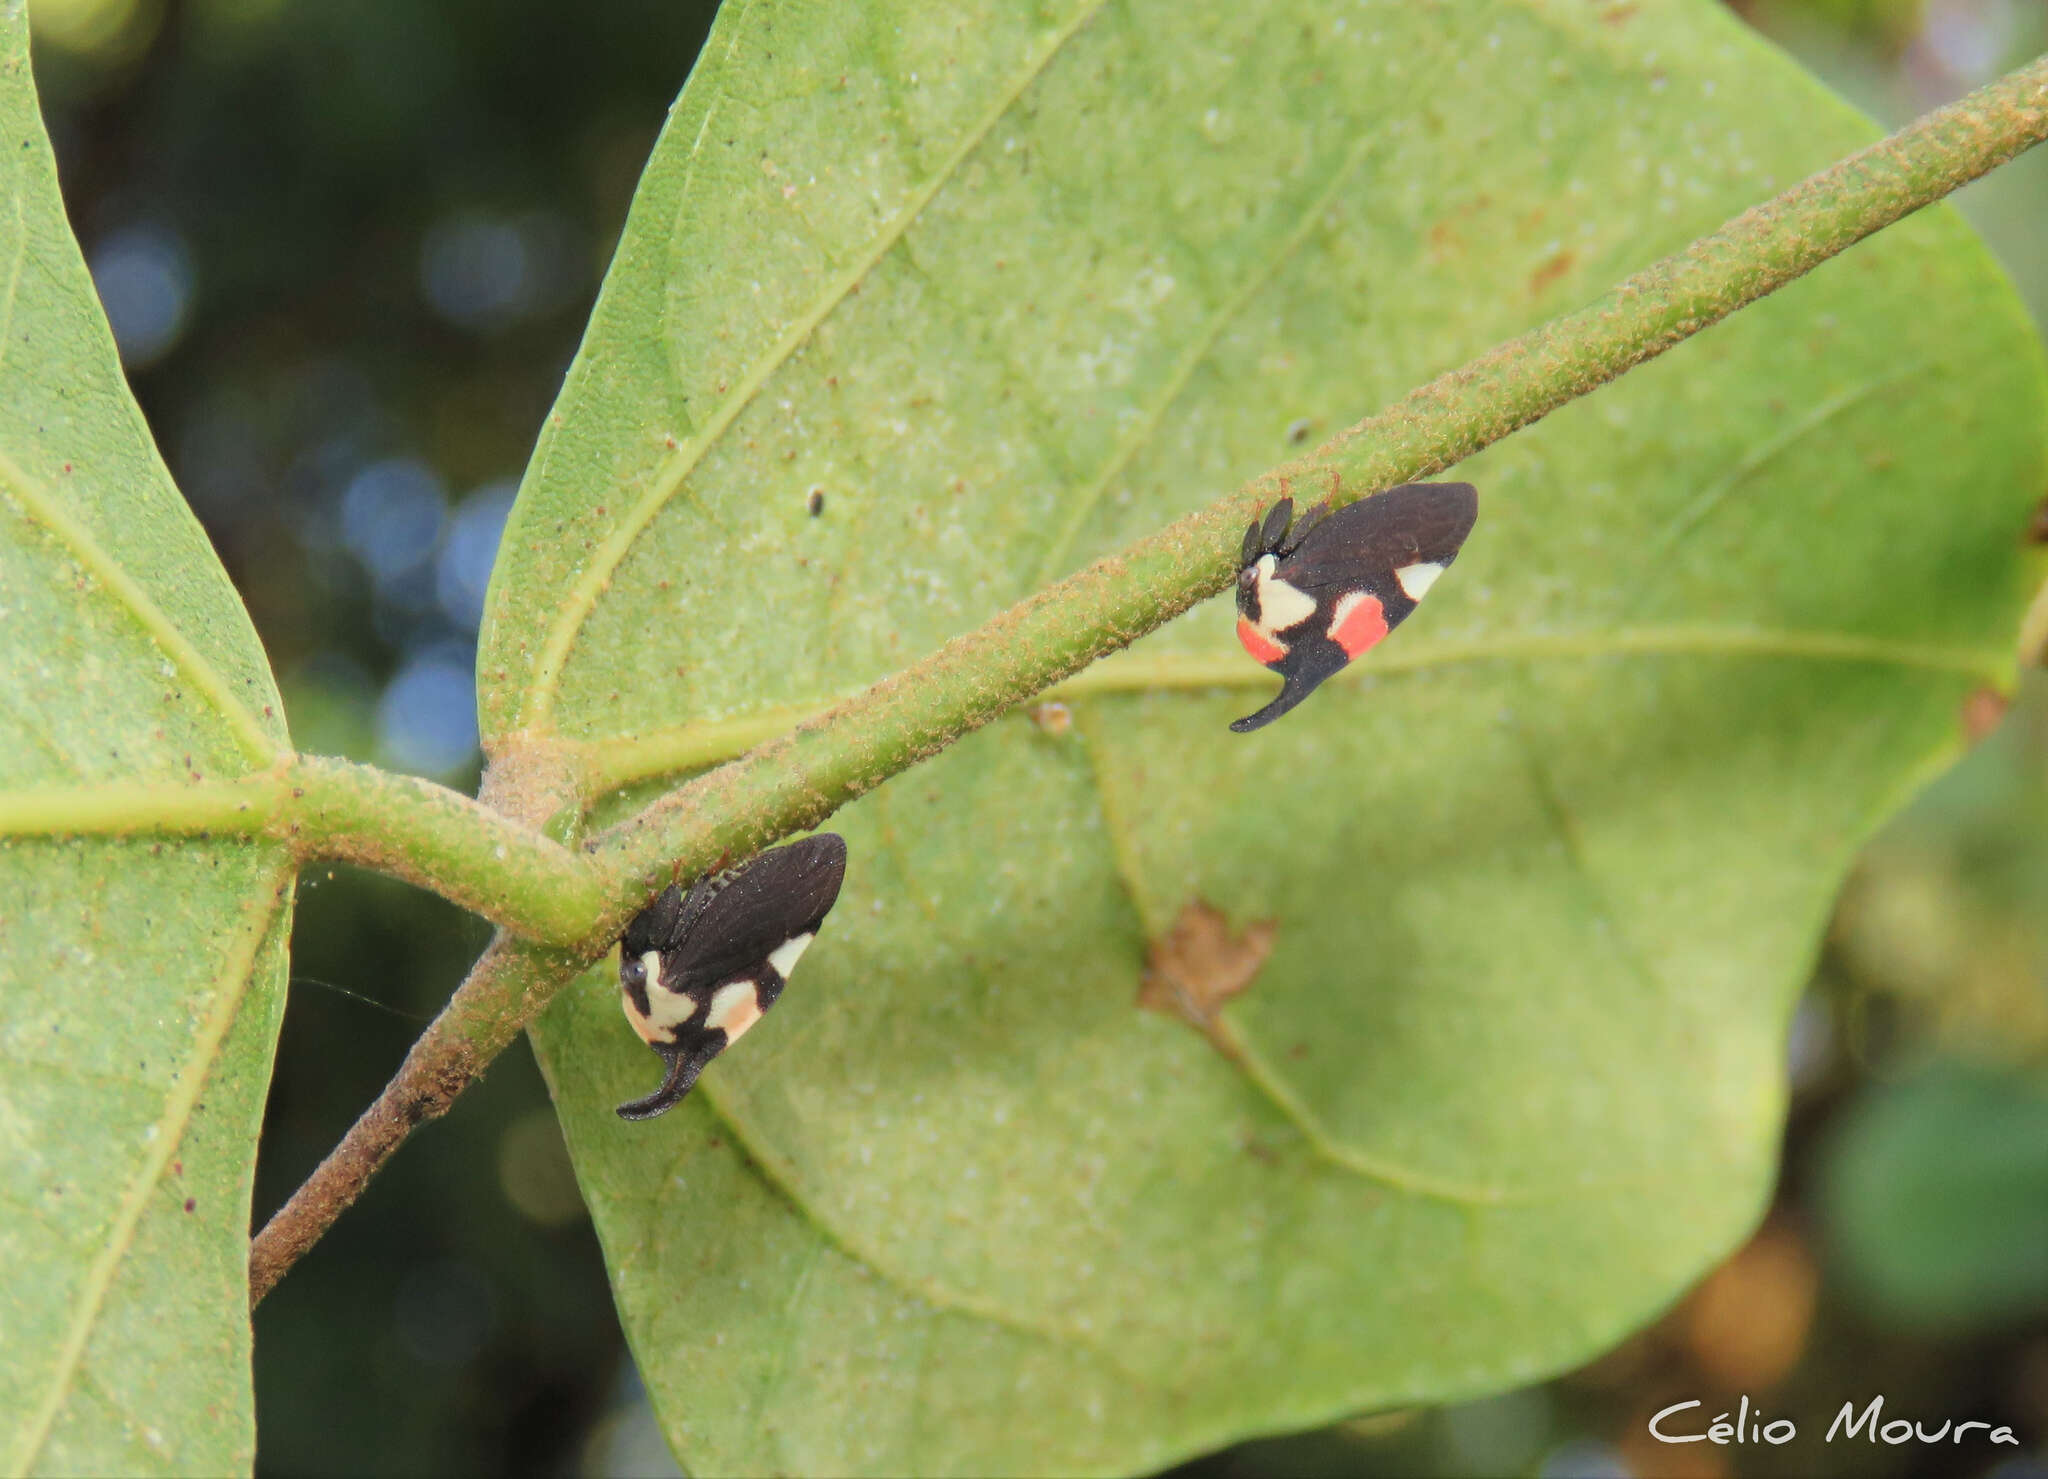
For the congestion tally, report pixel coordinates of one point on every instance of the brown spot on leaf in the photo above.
(1200, 965)
(1551, 271)
(1053, 717)
(1982, 710)
(2037, 527)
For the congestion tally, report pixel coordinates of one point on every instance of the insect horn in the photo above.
(1252, 548)
(683, 1069)
(1278, 517)
(1300, 681)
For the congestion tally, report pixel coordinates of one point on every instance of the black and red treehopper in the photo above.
(1313, 595)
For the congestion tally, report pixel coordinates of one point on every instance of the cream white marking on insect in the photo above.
(785, 956)
(666, 1010)
(647, 1031)
(1417, 579)
(1280, 604)
(1341, 612)
(733, 1010)
(669, 1009)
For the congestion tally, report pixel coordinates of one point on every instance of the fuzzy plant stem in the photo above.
(799, 779)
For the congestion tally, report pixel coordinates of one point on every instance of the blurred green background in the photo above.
(348, 248)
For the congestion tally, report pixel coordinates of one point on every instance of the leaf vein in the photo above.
(613, 763)
(42, 508)
(581, 598)
(783, 1182)
(179, 1106)
(13, 279)
(1197, 351)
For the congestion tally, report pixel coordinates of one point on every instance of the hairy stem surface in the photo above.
(797, 780)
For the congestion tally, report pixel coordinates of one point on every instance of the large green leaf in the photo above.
(140, 981)
(1012, 284)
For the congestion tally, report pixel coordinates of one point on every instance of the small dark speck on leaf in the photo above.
(1297, 431)
(190, 1204)
(815, 502)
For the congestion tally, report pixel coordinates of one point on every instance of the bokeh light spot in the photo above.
(487, 272)
(463, 570)
(104, 30)
(144, 278)
(535, 1173)
(391, 515)
(444, 1314)
(426, 720)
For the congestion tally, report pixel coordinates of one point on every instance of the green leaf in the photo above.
(1011, 285)
(142, 979)
(1936, 1192)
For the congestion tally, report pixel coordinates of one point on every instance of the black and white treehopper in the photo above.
(697, 970)
(1313, 595)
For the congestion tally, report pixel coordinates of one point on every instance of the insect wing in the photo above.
(783, 893)
(1364, 543)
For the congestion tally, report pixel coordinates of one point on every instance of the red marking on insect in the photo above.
(1362, 629)
(1255, 643)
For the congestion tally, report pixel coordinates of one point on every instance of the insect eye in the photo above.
(632, 973)
(1247, 577)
